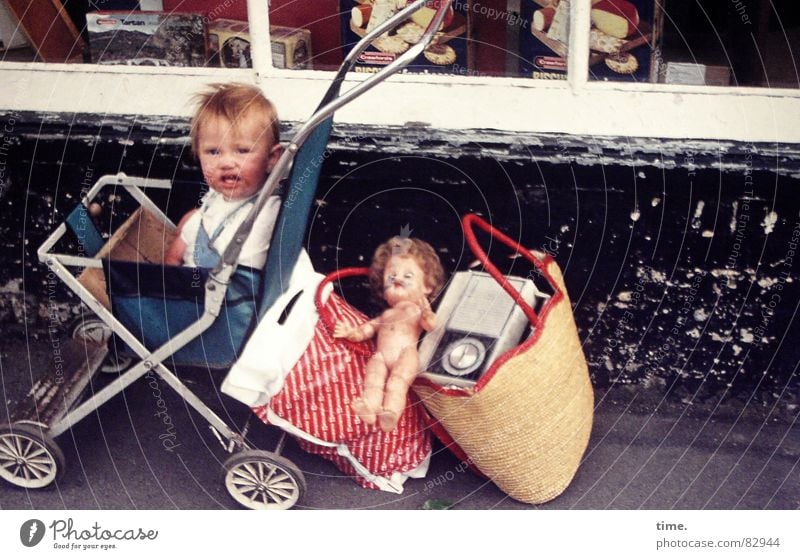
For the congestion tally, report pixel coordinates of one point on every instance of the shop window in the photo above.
(683, 42)
(730, 42)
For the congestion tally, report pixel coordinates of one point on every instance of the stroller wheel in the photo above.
(29, 457)
(261, 480)
(91, 328)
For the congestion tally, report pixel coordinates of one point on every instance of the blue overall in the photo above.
(205, 255)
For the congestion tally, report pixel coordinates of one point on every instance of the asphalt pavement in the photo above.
(644, 453)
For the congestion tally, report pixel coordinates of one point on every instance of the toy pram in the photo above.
(189, 316)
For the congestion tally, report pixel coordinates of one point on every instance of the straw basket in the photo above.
(527, 421)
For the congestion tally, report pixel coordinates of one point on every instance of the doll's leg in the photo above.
(372, 395)
(401, 376)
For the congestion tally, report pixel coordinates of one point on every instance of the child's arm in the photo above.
(174, 253)
(355, 333)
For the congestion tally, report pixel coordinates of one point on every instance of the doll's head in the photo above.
(404, 268)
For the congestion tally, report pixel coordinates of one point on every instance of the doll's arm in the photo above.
(428, 318)
(355, 333)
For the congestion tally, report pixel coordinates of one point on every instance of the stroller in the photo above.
(184, 316)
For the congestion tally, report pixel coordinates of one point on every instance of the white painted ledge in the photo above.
(444, 102)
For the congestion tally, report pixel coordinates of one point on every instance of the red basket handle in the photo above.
(468, 223)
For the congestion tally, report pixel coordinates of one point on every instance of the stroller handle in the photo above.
(331, 102)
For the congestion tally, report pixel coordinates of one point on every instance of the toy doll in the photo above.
(405, 273)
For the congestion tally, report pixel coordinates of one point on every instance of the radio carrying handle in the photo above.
(468, 223)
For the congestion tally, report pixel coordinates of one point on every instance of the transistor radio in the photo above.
(477, 322)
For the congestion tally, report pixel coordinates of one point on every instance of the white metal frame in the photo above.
(461, 103)
(60, 264)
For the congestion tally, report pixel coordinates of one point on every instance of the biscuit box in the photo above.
(147, 38)
(447, 54)
(229, 45)
(620, 39)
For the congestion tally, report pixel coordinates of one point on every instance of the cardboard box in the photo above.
(147, 38)
(229, 45)
(11, 34)
(141, 238)
(687, 73)
(448, 54)
(620, 46)
(291, 48)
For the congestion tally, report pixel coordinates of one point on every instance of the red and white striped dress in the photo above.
(316, 398)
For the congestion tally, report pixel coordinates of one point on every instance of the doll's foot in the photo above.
(387, 420)
(363, 411)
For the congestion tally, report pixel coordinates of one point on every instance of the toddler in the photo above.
(235, 135)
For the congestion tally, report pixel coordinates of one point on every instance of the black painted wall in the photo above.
(680, 257)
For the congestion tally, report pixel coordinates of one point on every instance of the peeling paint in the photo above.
(698, 211)
(700, 315)
(716, 337)
(766, 283)
(769, 222)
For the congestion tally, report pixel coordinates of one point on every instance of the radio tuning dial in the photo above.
(464, 356)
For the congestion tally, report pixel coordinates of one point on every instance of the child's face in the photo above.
(236, 158)
(403, 280)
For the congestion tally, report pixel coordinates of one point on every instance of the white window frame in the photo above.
(576, 106)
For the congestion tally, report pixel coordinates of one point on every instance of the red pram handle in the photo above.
(325, 315)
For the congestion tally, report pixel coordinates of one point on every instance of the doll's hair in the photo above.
(240, 104)
(419, 250)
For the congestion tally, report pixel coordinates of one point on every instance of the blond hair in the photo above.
(237, 103)
(419, 250)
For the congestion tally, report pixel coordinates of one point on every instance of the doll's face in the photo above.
(403, 280)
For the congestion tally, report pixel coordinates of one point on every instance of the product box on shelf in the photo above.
(620, 39)
(147, 38)
(690, 73)
(12, 35)
(229, 45)
(448, 53)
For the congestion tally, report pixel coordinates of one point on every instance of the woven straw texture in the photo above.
(528, 426)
